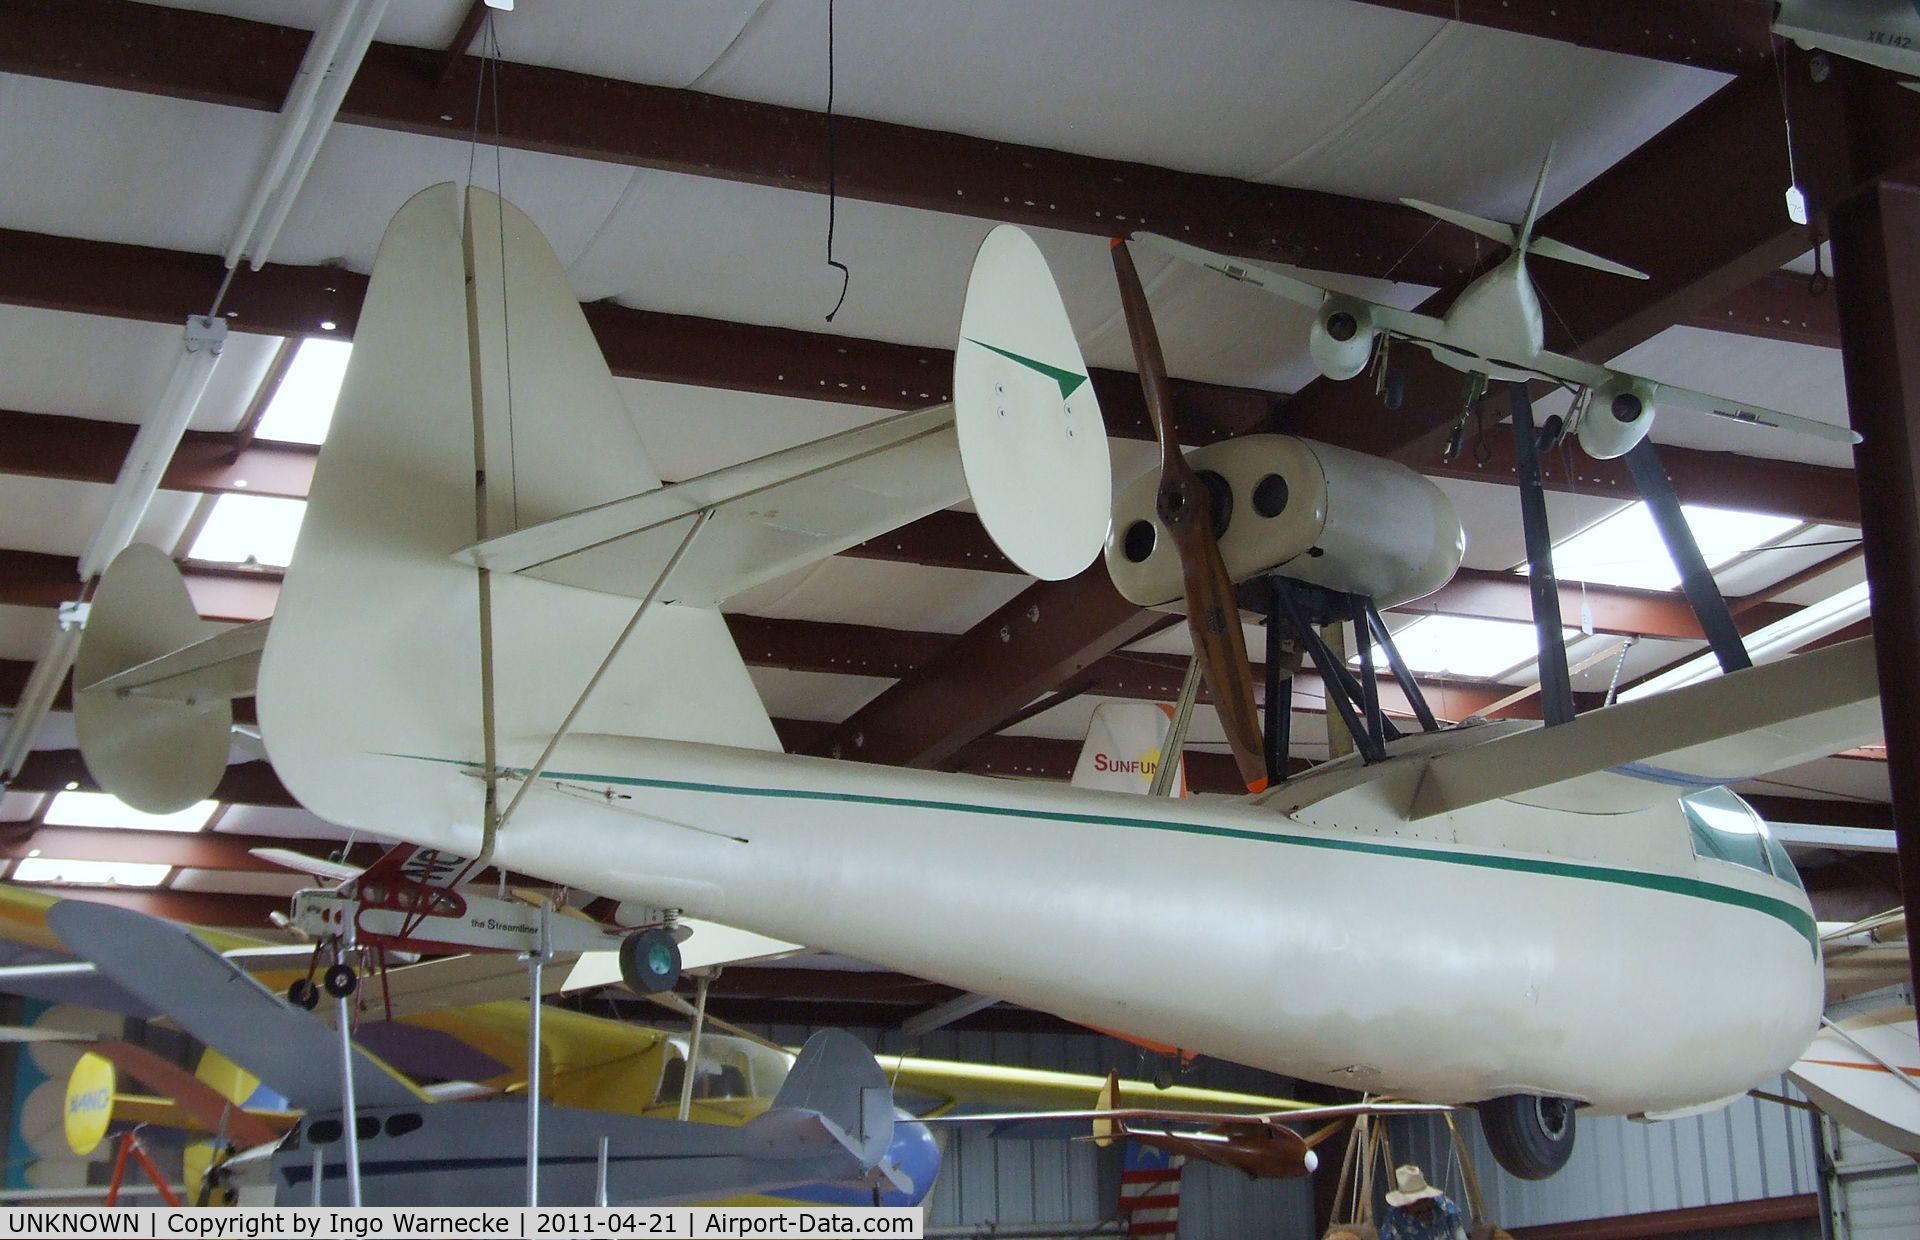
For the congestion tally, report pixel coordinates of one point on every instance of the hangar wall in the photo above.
(985, 1180)
(1750, 1150)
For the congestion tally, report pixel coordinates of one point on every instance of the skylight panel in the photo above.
(1463, 646)
(302, 406)
(102, 809)
(250, 529)
(1625, 549)
(90, 873)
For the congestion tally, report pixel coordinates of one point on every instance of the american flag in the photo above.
(1150, 1190)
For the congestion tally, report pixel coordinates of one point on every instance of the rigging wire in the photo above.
(833, 195)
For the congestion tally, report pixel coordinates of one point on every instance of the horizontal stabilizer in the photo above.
(770, 515)
(215, 1001)
(1732, 727)
(1505, 234)
(225, 665)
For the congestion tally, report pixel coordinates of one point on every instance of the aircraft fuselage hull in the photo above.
(1351, 954)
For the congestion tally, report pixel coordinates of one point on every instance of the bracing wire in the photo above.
(846, 275)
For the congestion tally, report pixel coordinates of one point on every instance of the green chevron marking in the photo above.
(1068, 381)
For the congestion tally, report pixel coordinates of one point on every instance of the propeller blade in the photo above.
(1186, 510)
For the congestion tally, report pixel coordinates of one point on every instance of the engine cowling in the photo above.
(1341, 339)
(1309, 511)
(1619, 414)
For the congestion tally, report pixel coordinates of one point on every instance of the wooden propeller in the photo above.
(1186, 510)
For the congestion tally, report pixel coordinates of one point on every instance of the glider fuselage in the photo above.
(1314, 931)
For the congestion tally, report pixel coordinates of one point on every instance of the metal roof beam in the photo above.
(217, 59)
(1729, 36)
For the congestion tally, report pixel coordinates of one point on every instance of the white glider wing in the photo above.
(1719, 731)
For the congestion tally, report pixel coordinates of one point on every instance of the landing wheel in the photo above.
(1395, 393)
(340, 981)
(1531, 1136)
(1552, 430)
(650, 961)
(303, 993)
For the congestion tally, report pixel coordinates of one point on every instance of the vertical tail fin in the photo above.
(837, 1079)
(1533, 205)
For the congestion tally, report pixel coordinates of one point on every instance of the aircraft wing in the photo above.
(213, 1000)
(1718, 731)
(1201, 1119)
(1424, 327)
(768, 516)
(1668, 396)
(951, 1088)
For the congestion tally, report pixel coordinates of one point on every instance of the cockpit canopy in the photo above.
(1726, 828)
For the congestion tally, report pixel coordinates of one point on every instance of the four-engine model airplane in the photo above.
(1578, 917)
(832, 1121)
(1494, 330)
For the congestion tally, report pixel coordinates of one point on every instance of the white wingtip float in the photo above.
(1494, 329)
(542, 678)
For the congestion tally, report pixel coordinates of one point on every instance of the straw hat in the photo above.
(1412, 1186)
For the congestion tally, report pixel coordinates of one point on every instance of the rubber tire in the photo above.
(1530, 1136)
(1552, 431)
(340, 981)
(1395, 393)
(650, 961)
(303, 993)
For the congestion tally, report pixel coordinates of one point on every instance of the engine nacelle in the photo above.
(1341, 339)
(1319, 514)
(1619, 414)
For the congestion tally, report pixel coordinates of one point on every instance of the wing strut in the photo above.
(1709, 605)
(1556, 684)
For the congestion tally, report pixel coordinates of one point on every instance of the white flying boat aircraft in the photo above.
(535, 673)
(1494, 329)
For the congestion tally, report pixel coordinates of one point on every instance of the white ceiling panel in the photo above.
(115, 370)
(1490, 515)
(1466, 122)
(59, 518)
(19, 806)
(415, 23)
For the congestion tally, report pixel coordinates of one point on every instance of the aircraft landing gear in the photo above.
(650, 960)
(340, 980)
(1531, 1136)
(303, 993)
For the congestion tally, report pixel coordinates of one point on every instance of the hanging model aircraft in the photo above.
(590, 1063)
(1494, 331)
(1578, 916)
(831, 1122)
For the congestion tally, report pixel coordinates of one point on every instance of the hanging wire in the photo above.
(846, 276)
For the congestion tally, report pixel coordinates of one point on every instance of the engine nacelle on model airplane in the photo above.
(1319, 514)
(1341, 338)
(1619, 414)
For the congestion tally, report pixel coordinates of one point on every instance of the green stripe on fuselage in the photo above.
(1068, 381)
(1799, 919)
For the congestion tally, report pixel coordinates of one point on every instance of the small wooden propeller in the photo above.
(1186, 510)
